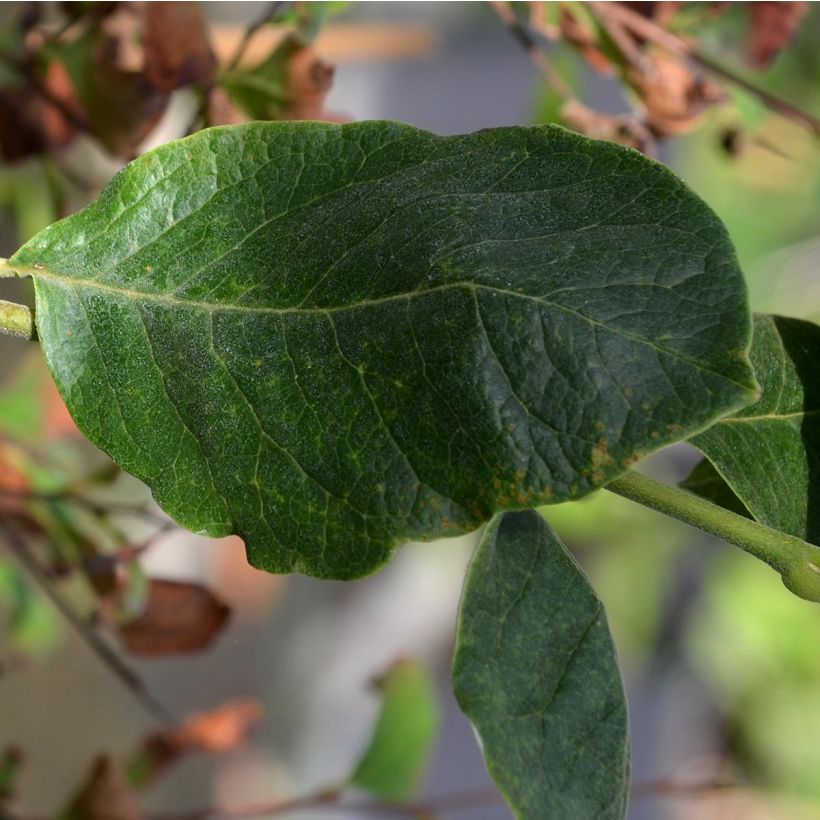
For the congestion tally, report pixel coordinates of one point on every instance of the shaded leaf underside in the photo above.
(769, 452)
(333, 339)
(535, 671)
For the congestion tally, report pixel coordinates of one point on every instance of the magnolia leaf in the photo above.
(335, 339)
(707, 482)
(535, 671)
(769, 453)
(398, 752)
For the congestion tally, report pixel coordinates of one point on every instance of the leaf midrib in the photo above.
(167, 300)
(798, 414)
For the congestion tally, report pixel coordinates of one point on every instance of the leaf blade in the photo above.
(767, 453)
(332, 358)
(535, 672)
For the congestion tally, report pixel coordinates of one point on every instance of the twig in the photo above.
(17, 320)
(521, 33)
(645, 28)
(272, 11)
(102, 650)
(331, 800)
(96, 507)
(668, 787)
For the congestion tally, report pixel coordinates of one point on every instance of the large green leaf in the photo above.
(535, 671)
(333, 339)
(769, 453)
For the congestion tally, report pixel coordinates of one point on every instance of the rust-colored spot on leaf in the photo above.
(599, 455)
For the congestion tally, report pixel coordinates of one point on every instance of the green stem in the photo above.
(15, 320)
(797, 561)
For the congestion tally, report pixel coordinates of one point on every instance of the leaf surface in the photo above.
(334, 339)
(535, 671)
(769, 453)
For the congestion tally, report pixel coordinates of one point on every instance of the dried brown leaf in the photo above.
(585, 39)
(615, 128)
(674, 97)
(773, 26)
(310, 79)
(13, 478)
(177, 49)
(104, 795)
(542, 19)
(29, 123)
(221, 111)
(178, 617)
(220, 729)
(216, 731)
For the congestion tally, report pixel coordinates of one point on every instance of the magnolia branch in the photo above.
(20, 550)
(534, 51)
(332, 800)
(620, 15)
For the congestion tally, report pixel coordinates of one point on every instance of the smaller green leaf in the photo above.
(535, 671)
(10, 761)
(769, 453)
(398, 751)
(708, 483)
(22, 409)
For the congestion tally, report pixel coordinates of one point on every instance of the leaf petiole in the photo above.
(797, 561)
(15, 320)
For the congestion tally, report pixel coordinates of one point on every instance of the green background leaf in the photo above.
(403, 737)
(334, 339)
(535, 671)
(769, 452)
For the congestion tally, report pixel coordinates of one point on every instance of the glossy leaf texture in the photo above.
(403, 737)
(334, 339)
(535, 671)
(769, 453)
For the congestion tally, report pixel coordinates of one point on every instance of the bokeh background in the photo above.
(722, 665)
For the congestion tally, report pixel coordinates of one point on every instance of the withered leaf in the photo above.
(121, 105)
(612, 127)
(216, 731)
(575, 31)
(772, 26)
(104, 795)
(292, 83)
(177, 49)
(31, 124)
(178, 617)
(674, 97)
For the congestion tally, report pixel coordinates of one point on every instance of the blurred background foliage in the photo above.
(103, 601)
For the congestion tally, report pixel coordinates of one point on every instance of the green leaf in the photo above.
(707, 482)
(335, 339)
(536, 673)
(22, 410)
(769, 452)
(405, 731)
(262, 91)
